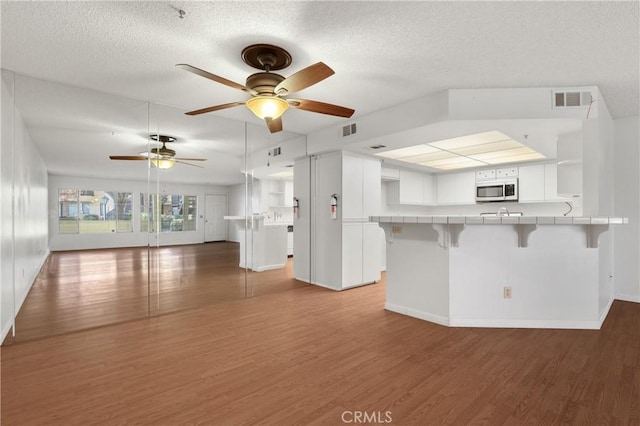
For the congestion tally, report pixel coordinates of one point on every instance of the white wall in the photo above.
(125, 239)
(24, 231)
(237, 201)
(626, 151)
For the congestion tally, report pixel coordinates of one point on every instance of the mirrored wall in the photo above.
(123, 209)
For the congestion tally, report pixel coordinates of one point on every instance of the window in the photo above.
(94, 212)
(168, 213)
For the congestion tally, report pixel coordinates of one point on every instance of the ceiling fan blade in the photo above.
(188, 164)
(191, 159)
(214, 108)
(275, 125)
(304, 78)
(321, 107)
(128, 157)
(216, 78)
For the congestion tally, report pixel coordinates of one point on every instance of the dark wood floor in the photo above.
(309, 355)
(78, 290)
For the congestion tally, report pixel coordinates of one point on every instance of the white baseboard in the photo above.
(415, 313)
(628, 297)
(7, 327)
(605, 312)
(270, 267)
(497, 323)
(515, 323)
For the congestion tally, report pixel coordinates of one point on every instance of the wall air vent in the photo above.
(571, 99)
(377, 146)
(349, 129)
(275, 152)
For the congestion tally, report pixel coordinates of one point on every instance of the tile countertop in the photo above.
(503, 220)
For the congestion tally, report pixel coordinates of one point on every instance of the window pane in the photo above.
(147, 215)
(122, 212)
(190, 213)
(67, 211)
(94, 209)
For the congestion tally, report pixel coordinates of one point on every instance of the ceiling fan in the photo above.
(162, 158)
(267, 89)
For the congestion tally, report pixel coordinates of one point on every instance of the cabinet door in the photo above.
(465, 188)
(411, 187)
(531, 183)
(352, 255)
(429, 190)
(457, 188)
(371, 188)
(351, 202)
(551, 183)
(447, 188)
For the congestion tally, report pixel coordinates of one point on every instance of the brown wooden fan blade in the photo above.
(191, 159)
(216, 78)
(275, 125)
(321, 107)
(128, 157)
(214, 108)
(188, 164)
(304, 78)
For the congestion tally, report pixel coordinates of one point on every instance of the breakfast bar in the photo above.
(510, 271)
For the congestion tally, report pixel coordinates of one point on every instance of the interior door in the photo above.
(215, 227)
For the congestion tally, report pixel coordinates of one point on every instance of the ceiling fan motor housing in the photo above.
(264, 82)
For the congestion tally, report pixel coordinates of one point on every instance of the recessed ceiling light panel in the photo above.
(408, 151)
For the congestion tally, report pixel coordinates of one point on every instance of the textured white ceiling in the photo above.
(384, 53)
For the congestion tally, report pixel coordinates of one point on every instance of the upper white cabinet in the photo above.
(551, 183)
(412, 188)
(360, 187)
(531, 183)
(539, 183)
(389, 174)
(456, 188)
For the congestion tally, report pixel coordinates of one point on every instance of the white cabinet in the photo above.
(389, 174)
(412, 188)
(456, 188)
(342, 252)
(538, 183)
(531, 184)
(429, 190)
(551, 183)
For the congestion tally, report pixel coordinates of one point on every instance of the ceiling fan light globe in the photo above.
(163, 163)
(267, 107)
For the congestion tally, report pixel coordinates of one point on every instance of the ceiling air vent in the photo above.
(377, 146)
(275, 152)
(571, 99)
(349, 129)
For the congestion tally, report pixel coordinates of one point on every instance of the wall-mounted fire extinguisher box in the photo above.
(334, 206)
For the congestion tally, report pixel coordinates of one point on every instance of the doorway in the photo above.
(215, 227)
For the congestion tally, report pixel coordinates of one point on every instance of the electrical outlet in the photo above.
(507, 292)
(396, 229)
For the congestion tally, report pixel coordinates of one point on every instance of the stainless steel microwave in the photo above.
(497, 190)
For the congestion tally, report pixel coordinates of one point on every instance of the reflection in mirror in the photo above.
(100, 241)
(76, 199)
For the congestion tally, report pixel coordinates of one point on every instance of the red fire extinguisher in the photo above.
(334, 206)
(296, 206)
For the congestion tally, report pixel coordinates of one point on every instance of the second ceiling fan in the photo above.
(268, 89)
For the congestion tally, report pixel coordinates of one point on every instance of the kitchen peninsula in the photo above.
(263, 245)
(521, 272)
